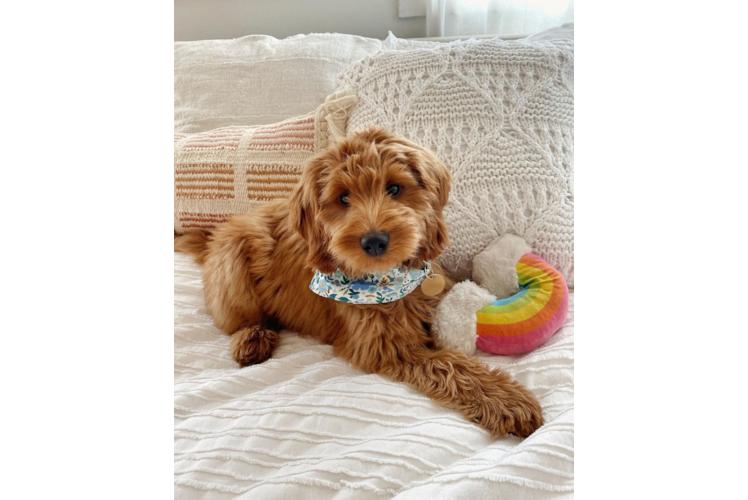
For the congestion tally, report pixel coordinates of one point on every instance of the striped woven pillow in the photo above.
(234, 170)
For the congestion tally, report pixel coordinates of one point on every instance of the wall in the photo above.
(211, 19)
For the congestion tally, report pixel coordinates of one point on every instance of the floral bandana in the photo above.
(376, 288)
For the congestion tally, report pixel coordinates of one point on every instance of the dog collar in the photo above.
(373, 288)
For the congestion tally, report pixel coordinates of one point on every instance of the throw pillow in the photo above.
(233, 170)
(500, 114)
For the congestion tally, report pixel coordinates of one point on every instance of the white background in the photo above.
(660, 209)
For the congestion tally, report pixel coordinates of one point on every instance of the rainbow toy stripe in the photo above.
(528, 318)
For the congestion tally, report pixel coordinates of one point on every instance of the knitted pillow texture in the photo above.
(500, 114)
(234, 170)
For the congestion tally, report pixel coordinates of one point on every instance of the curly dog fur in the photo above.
(257, 268)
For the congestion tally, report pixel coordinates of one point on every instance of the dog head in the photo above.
(371, 202)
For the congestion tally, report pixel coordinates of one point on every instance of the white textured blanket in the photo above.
(306, 425)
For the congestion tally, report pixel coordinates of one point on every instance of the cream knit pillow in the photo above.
(233, 170)
(500, 114)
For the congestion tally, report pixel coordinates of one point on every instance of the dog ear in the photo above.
(435, 178)
(433, 175)
(437, 237)
(303, 216)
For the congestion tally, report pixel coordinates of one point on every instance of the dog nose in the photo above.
(375, 244)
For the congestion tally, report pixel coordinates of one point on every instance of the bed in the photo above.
(305, 424)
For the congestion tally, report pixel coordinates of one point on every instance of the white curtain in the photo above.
(495, 17)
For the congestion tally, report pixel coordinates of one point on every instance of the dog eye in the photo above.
(393, 190)
(344, 199)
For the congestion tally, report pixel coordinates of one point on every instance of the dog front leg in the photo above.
(490, 398)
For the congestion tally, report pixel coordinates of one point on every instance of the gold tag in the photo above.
(433, 285)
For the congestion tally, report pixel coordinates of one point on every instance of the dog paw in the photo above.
(523, 417)
(517, 412)
(253, 345)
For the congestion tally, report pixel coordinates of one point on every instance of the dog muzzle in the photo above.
(373, 288)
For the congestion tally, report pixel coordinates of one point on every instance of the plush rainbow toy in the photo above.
(528, 318)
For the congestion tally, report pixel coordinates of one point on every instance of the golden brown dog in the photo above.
(257, 269)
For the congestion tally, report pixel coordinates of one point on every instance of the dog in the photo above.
(369, 203)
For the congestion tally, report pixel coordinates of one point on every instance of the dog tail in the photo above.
(193, 242)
